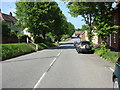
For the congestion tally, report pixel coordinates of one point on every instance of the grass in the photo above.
(108, 55)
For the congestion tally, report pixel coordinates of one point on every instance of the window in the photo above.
(114, 37)
(110, 40)
(114, 19)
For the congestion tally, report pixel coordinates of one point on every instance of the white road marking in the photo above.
(53, 62)
(111, 69)
(55, 59)
(39, 81)
(59, 54)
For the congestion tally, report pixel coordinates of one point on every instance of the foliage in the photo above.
(20, 35)
(13, 34)
(12, 50)
(104, 27)
(78, 29)
(5, 29)
(50, 37)
(41, 18)
(84, 27)
(97, 13)
(64, 37)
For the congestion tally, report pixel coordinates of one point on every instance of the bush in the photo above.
(12, 50)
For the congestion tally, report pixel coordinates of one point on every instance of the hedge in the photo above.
(12, 50)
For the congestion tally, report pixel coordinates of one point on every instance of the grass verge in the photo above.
(107, 54)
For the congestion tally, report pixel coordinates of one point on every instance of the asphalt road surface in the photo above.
(59, 67)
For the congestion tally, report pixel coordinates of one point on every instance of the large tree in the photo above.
(92, 12)
(41, 18)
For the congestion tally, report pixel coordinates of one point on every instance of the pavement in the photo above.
(58, 67)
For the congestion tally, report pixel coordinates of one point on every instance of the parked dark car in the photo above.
(84, 46)
(116, 75)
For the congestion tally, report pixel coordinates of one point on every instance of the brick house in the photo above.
(96, 40)
(83, 35)
(114, 39)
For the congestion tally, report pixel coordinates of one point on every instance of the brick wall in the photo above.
(115, 44)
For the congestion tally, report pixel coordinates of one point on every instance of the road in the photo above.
(59, 67)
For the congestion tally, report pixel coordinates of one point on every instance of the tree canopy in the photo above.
(41, 18)
(94, 13)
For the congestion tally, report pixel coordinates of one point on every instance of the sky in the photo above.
(77, 22)
(7, 7)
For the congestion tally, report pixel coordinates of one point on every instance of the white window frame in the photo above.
(114, 37)
(110, 40)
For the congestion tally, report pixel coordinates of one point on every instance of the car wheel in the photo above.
(115, 84)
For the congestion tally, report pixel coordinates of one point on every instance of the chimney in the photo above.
(10, 13)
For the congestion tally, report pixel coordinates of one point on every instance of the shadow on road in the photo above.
(63, 47)
(66, 43)
(31, 59)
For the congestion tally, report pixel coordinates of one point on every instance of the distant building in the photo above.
(77, 33)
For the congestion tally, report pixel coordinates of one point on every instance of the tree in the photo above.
(97, 13)
(5, 29)
(41, 18)
(85, 9)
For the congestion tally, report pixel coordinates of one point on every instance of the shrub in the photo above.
(12, 50)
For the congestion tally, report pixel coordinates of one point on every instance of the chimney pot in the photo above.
(10, 14)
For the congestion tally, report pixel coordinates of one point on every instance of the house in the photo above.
(83, 36)
(10, 20)
(77, 33)
(114, 38)
(96, 40)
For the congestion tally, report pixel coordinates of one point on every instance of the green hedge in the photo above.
(107, 54)
(12, 50)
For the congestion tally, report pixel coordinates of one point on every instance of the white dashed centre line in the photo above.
(39, 81)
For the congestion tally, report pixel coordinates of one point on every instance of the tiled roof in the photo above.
(7, 18)
(77, 32)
